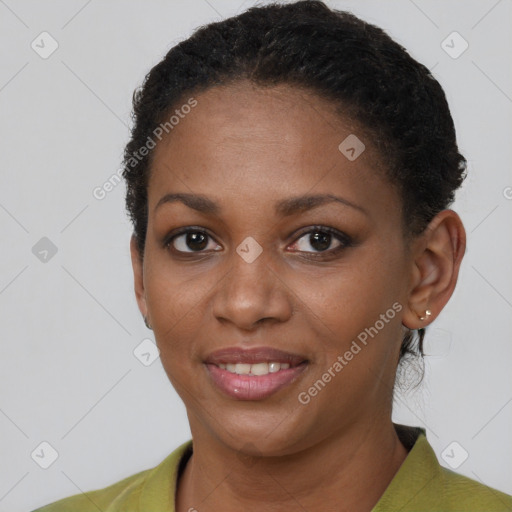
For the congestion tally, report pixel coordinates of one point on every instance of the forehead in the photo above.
(266, 142)
(284, 118)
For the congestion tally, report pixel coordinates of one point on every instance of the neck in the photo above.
(348, 472)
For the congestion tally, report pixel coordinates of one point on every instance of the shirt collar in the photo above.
(418, 480)
(159, 491)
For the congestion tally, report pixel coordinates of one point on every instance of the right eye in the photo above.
(188, 238)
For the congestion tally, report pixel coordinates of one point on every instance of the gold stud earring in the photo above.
(427, 314)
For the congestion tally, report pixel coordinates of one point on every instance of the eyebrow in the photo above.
(283, 208)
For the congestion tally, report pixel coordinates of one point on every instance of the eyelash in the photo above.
(345, 241)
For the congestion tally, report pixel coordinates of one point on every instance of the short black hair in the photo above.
(366, 75)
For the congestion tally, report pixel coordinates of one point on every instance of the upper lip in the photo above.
(253, 356)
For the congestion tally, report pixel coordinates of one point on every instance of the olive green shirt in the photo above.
(421, 484)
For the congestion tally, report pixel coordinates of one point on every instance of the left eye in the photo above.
(321, 239)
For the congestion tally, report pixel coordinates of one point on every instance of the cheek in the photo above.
(174, 305)
(357, 313)
(352, 297)
(176, 325)
(354, 315)
(173, 291)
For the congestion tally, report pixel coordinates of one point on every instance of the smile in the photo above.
(253, 374)
(254, 369)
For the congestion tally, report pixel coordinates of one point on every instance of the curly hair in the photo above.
(355, 65)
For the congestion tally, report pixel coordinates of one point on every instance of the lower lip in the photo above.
(253, 387)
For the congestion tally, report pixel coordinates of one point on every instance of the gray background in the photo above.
(70, 324)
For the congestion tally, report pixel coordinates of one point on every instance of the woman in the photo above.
(292, 241)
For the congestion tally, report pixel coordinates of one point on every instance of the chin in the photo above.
(255, 431)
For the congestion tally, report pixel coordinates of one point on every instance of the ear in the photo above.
(437, 257)
(138, 276)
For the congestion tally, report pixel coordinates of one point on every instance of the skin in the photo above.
(246, 148)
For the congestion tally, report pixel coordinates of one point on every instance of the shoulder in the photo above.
(463, 493)
(125, 492)
(423, 485)
(149, 488)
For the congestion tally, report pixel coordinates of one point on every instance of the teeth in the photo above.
(259, 369)
(274, 367)
(242, 368)
(254, 369)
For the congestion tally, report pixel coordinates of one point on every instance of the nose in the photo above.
(251, 293)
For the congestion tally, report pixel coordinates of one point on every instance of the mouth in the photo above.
(253, 374)
(262, 368)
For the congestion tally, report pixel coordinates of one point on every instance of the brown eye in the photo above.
(322, 239)
(189, 241)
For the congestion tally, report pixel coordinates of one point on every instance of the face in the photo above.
(242, 274)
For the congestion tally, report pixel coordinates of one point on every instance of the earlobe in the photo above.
(138, 276)
(437, 261)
